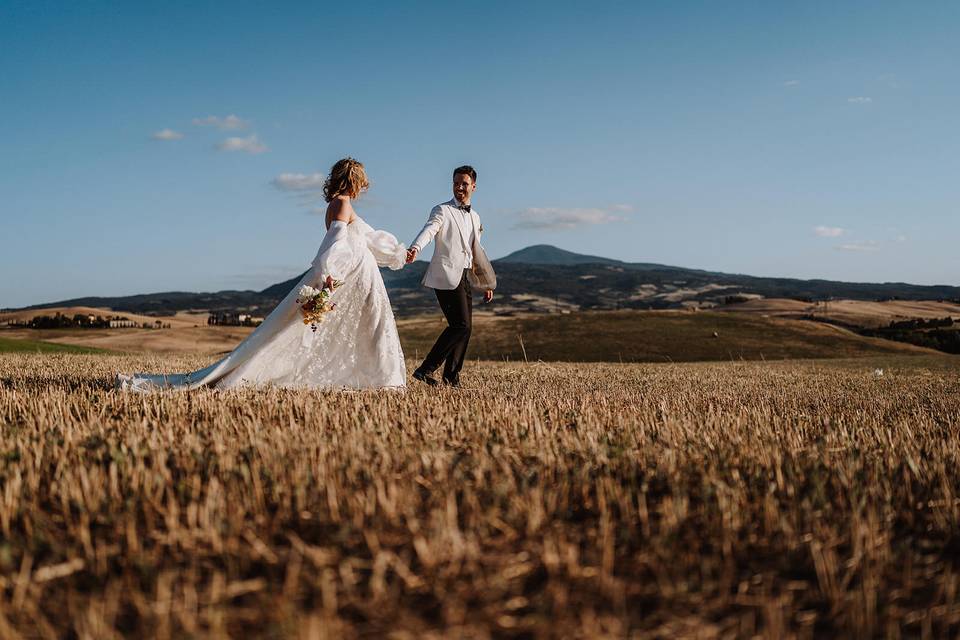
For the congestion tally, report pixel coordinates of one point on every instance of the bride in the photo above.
(354, 346)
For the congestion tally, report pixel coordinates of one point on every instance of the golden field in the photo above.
(790, 499)
(586, 336)
(861, 313)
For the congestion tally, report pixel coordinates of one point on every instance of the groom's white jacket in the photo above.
(454, 240)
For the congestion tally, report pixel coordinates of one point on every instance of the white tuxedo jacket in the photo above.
(454, 241)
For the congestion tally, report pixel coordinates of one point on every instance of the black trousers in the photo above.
(451, 347)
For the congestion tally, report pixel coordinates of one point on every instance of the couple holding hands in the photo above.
(357, 345)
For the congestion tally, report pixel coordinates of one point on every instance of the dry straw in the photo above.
(734, 499)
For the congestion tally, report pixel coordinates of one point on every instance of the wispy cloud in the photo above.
(299, 181)
(167, 134)
(828, 232)
(250, 144)
(791, 83)
(860, 100)
(890, 79)
(896, 235)
(306, 188)
(889, 239)
(227, 123)
(555, 218)
(259, 276)
(860, 246)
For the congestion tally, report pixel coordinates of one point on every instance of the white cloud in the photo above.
(897, 236)
(791, 83)
(230, 122)
(558, 218)
(250, 144)
(890, 79)
(860, 246)
(828, 232)
(860, 100)
(625, 208)
(260, 276)
(167, 134)
(307, 188)
(299, 181)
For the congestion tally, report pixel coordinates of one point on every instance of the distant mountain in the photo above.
(546, 278)
(548, 254)
(163, 303)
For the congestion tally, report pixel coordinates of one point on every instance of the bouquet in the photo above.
(315, 303)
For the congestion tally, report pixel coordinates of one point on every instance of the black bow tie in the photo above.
(464, 207)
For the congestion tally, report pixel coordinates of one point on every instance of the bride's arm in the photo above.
(386, 249)
(335, 256)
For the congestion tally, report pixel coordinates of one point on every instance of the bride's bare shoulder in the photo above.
(340, 209)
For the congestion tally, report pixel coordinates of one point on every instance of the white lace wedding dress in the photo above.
(355, 347)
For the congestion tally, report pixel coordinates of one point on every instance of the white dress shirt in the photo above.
(466, 221)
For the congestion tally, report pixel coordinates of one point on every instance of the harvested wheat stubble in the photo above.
(728, 499)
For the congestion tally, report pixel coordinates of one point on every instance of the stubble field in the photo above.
(796, 498)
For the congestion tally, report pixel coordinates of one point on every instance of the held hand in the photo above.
(329, 283)
(411, 255)
(488, 295)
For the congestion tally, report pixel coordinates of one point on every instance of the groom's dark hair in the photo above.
(467, 169)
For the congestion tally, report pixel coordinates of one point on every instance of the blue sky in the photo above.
(814, 140)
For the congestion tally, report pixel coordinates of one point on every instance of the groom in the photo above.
(456, 228)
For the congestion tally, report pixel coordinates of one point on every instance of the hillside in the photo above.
(652, 336)
(182, 339)
(12, 345)
(548, 254)
(544, 278)
(179, 320)
(866, 314)
(607, 336)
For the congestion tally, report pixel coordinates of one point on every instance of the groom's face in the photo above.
(463, 187)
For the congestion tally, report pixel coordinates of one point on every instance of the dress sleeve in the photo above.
(336, 255)
(386, 249)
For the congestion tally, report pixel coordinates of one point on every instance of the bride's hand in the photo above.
(329, 283)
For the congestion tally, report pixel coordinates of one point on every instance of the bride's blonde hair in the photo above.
(347, 178)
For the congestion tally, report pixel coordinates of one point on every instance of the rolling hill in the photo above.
(545, 278)
(589, 336)
(15, 345)
(179, 320)
(548, 254)
(865, 314)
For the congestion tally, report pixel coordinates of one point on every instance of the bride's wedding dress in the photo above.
(356, 346)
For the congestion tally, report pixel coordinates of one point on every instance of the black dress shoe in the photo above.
(425, 378)
(452, 382)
